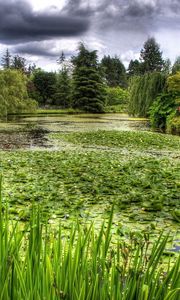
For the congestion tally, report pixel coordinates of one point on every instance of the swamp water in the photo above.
(74, 180)
(30, 132)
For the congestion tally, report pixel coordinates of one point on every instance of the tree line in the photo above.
(91, 85)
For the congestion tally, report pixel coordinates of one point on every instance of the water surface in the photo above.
(31, 131)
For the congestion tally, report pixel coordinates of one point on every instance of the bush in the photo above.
(173, 123)
(116, 95)
(162, 107)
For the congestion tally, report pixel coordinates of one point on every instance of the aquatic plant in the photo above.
(39, 262)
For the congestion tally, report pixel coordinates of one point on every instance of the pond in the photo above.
(77, 166)
(30, 131)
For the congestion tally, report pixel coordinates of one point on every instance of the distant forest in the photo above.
(149, 87)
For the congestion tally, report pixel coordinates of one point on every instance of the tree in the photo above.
(114, 71)
(116, 95)
(31, 69)
(164, 110)
(151, 57)
(161, 108)
(143, 92)
(166, 66)
(6, 60)
(62, 95)
(174, 83)
(18, 63)
(44, 83)
(61, 59)
(176, 66)
(13, 93)
(135, 68)
(88, 87)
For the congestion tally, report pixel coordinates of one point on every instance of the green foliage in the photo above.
(166, 66)
(173, 123)
(39, 262)
(88, 88)
(114, 71)
(92, 180)
(162, 107)
(116, 95)
(131, 140)
(135, 68)
(174, 84)
(165, 106)
(18, 63)
(143, 92)
(62, 96)
(117, 108)
(44, 83)
(151, 57)
(13, 93)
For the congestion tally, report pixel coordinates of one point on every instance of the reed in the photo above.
(38, 262)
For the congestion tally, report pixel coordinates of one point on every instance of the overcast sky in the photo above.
(40, 30)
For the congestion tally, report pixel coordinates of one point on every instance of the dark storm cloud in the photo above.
(117, 25)
(19, 23)
(40, 49)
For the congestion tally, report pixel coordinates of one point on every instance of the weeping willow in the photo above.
(13, 93)
(143, 91)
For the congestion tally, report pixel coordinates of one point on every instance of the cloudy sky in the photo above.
(40, 30)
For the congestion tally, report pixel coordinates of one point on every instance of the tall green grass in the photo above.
(38, 262)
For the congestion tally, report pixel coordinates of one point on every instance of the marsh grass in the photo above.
(38, 262)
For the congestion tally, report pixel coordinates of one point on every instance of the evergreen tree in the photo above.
(31, 69)
(166, 66)
(18, 63)
(134, 68)
(6, 60)
(88, 87)
(62, 95)
(61, 59)
(151, 57)
(44, 83)
(114, 71)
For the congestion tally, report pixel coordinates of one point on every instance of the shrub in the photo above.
(116, 95)
(162, 107)
(173, 123)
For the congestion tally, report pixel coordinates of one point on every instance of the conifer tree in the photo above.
(63, 89)
(88, 87)
(114, 71)
(134, 68)
(151, 57)
(6, 60)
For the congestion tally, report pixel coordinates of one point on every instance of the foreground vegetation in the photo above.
(39, 262)
(130, 169)
(49, 248)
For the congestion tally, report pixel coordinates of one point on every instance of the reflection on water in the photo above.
(31, 131)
